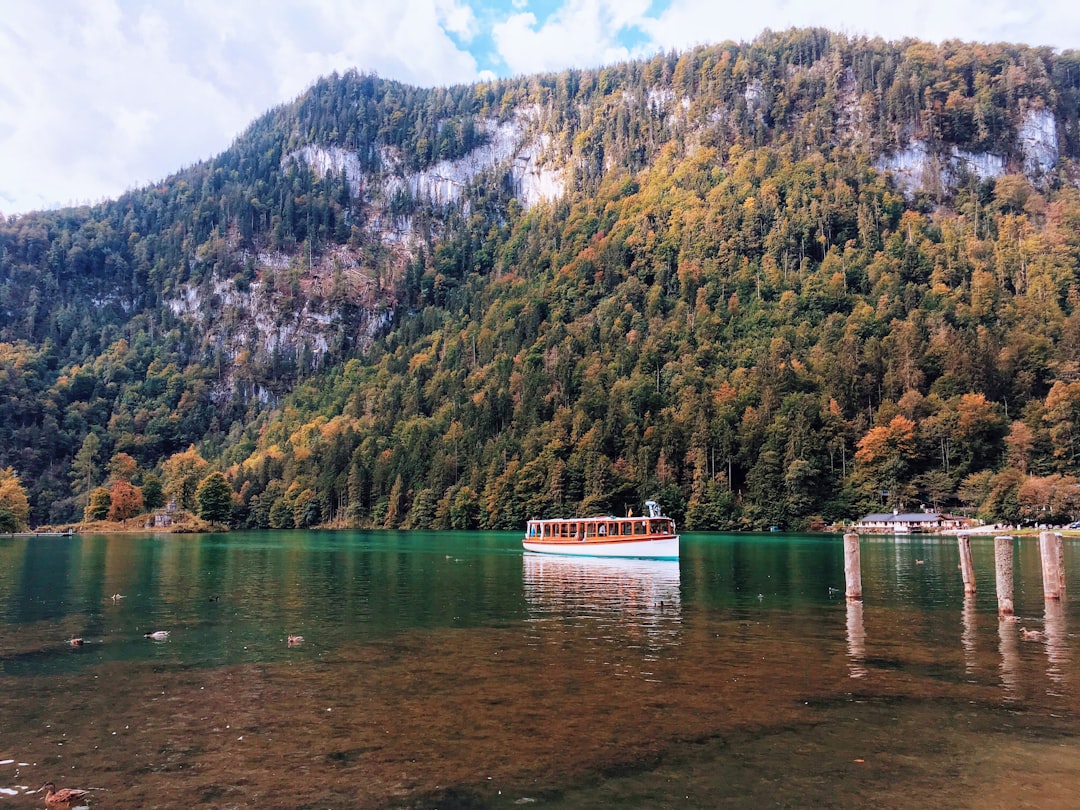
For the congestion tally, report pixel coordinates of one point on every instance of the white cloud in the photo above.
(1035, 22)
(456, 19)
(97, 96)
(581, 33)
(107, 95)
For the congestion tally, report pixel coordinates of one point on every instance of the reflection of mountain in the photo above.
(633, 592)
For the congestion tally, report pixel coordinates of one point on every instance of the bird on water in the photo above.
(157, 635)
(62, 798)
(1032, 635)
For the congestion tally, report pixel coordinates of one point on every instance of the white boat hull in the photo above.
(666, 548)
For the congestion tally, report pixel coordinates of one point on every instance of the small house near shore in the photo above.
(910, 523)
(163, 518)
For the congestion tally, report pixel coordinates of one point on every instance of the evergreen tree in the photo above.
(215, 499)
(152, 493)
(84, 467)
(9, 524)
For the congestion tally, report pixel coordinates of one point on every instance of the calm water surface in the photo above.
(450, 670)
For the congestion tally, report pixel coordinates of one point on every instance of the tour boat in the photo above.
(651, 536)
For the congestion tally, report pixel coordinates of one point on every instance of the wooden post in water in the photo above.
(1003, 567)
(852, 566)
(1053, 565)
(966, 568)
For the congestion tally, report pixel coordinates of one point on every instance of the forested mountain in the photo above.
(776, 283)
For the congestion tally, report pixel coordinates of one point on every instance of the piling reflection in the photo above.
(1057, 649)
(969, 617)
(856, 639)
(1010, 659)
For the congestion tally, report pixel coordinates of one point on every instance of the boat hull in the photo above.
(655, 548)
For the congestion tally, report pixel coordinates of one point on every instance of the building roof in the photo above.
(902, 517)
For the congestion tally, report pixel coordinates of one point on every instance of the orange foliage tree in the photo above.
(885, 454)
(126, 501)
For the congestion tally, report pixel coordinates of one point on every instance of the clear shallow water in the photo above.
(451, 670)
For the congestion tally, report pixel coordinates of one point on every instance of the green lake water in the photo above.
(451, 670)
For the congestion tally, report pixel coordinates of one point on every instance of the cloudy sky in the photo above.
(99, 96)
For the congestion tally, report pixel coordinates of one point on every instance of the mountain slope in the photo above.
(769, 283)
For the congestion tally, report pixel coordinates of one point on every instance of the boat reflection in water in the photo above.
(632, 596)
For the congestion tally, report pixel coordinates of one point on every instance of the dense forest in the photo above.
(734, 306)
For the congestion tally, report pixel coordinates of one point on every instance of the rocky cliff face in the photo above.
(919, 167)
(291, 308)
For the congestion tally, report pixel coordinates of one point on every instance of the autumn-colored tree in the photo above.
(97, 508)
(1063, 417)
(1019, 444)
(125, 500)
(122, 467)
(13, 499)
(183, 472)
(886, 453)
(1048, 499)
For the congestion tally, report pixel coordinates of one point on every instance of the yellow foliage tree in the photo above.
(183, 472)
(14, 506)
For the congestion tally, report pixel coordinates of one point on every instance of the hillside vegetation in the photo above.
(735, 294)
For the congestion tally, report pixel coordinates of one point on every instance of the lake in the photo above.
(449, 670)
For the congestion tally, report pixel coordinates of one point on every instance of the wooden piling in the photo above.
(1003, 568)
(852, 566)
(1060, 564)
(966, 568)
(1053, 565)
